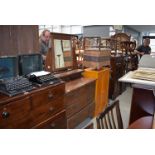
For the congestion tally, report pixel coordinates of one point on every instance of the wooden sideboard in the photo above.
(40, 108)
(79, 101)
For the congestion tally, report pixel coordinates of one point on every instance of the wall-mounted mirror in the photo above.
(62, 54)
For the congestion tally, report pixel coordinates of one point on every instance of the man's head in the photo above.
(45, 36)
(146, 42)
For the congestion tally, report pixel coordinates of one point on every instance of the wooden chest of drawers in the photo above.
(41, 108)
(79, 101)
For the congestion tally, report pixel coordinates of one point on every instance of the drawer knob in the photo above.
(50, 95)
(52, 125)
(51, 109)
(5, 114)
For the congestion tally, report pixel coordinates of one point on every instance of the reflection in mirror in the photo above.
(63, 53)
(59, 59)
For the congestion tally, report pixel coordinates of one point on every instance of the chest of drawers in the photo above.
(38, 109)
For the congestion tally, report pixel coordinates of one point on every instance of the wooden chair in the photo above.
(110, 118)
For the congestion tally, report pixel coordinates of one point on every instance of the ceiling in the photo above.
(143, 28)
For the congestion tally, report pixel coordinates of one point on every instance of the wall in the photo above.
(96, 30)
(135, 34)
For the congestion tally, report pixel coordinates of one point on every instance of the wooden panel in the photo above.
(17, 114)
(47, 102)
(79, 117)
(56, 122)
(142, 123)
(117, 71)
(18, 39)
(143, 104)
(102, 88)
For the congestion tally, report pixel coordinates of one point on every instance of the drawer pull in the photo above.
(50, 95)
(5, 114)
(51, 109)
(52, 125)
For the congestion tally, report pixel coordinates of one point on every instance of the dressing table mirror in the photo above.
(61, 55)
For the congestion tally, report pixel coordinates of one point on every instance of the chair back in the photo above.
(110, 118)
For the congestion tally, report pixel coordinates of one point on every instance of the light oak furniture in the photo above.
(102, 87)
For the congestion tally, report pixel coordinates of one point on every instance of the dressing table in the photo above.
(79, 99)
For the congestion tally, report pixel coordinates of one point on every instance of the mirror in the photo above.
(61, 56)
(63, 53)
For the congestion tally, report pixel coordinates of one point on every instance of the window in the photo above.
(70, 29)
(111, 31)
(152, 45)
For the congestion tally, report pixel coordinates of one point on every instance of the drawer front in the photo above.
(56, 122)
(47, 96)
(16, 114)
(79, 117)
(75, 101)
(46, 110)
(90, 92)
(76, 96)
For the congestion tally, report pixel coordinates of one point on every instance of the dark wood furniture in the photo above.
(143, 103)
(79, 101)
(117, 70)
(142, 123)
(18, 39)
(40, 108)
(119, 37)
(50, 63)
(79, 91)
(107, 119)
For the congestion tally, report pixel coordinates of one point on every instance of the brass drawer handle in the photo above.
(52, 125)
(51, 109)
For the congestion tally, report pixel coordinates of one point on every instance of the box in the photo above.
(96, 59)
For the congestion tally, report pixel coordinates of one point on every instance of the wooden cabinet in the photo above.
(117, 71)
(79, 101)
(18, 39)
(41, 108)
(102, 88)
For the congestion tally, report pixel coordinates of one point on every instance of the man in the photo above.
(145, 48)
(44, 42)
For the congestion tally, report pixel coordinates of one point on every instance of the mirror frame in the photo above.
(50, 59)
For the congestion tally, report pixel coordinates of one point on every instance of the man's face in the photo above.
(46, 36)
(146, 42)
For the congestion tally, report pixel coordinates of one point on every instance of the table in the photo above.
(142, 123)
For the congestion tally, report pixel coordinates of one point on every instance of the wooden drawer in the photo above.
(79, 117)
(90, 92)
(47, 95)
(75, 97)
(56, 122)
(16, 114)
(46, 110)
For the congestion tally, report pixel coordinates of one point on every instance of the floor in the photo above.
(125, 105)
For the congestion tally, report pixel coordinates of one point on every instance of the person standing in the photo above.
(44, 42)
(144, 48)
